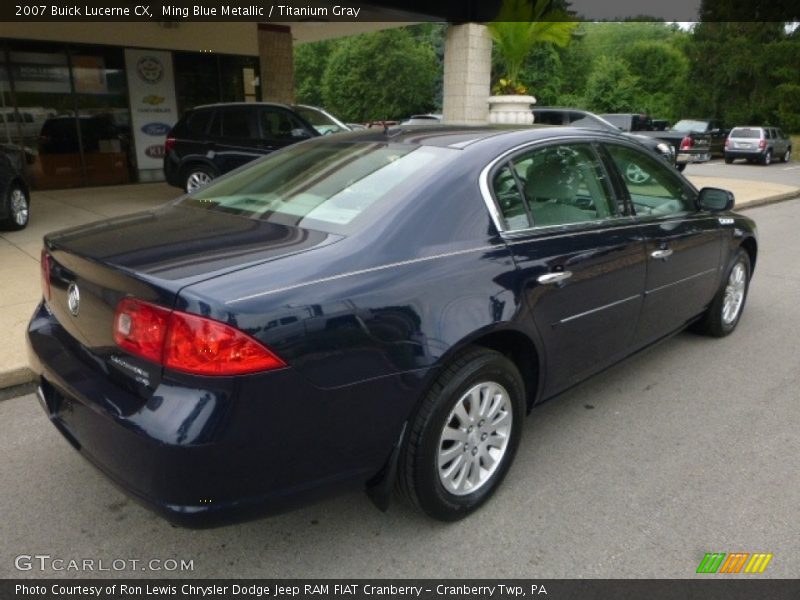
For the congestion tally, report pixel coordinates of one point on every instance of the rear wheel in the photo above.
(726, 309)
(464, 436)
(17, 207)
(680, 167)
(728, 160)
(197, 176)
(766, 160)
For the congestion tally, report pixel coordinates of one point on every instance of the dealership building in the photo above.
(90, 103)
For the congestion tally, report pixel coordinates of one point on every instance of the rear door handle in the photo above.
(556, 277)
(664, 253)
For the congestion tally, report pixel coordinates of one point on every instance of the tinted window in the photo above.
(560, 185)
(653, 187)
(198, 121)
(548, 117)
(278, 124)
(238, 122)
(322, 185)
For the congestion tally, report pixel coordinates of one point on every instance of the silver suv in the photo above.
(762, 144)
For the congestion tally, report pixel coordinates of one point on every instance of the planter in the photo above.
(511, 110)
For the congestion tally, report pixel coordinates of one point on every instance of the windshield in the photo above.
(324, 124)
(321, 185)
(689, 126)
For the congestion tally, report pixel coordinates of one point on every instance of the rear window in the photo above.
(746, 132)
(325, 186)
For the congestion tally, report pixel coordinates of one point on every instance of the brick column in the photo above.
(277, 63)
(467, 74)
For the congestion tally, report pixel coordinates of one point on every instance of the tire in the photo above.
(766, 160)
(728, 160)
(787, 156)
(17, 205)
(721, 318)
(681, 167)
(432, 473)
(197, 176)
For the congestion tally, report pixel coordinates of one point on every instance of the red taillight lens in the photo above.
(762, 144)
(169, 144)
(45, 264)
(686, 143)
(187, 342)
(140, 328)
(727, 143)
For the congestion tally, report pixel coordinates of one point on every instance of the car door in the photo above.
(280, 128)
(579, 258)
(683, 245)
(237, 137)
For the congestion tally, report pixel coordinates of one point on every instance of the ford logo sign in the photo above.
(156, 128)
(155, 151)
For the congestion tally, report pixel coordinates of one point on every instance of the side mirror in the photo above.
(715, 199)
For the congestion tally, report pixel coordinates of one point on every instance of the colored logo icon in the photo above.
(153, 100)
(156, 129)
(734, 562)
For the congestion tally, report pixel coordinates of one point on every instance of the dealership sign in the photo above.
(151, 89)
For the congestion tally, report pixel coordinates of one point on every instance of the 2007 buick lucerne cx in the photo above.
(374, 309)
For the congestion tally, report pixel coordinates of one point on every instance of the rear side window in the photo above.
(238, 122)
(197, 122)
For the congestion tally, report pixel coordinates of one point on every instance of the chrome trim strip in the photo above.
(598, 309)
(363, 271)
(695, 276)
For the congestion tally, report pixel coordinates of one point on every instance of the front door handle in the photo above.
(556, 277)
(664, 253)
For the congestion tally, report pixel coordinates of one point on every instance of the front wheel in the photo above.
(464, 436)
(726, 308)
(17, 208)
(787, 155)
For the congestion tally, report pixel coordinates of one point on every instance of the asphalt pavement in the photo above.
(690, 447)
(783, 173)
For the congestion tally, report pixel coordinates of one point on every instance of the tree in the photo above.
(611, 87)
(519, 28)
(382, 75)
(310, 62)
(660, 70)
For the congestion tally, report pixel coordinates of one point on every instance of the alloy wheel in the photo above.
(196, 180)
(734, 293)
(19, 207)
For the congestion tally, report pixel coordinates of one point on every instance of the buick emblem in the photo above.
(73, 299)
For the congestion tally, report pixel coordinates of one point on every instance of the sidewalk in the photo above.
(20, 287)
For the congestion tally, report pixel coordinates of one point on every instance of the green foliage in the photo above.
(380, 75)
(610, 87)
(310, 62)
(520, 27)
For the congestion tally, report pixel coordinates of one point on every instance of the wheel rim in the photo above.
(475, 438)
(734, 293)
(787, 156)
(19, 207)
(767, 158)
(196, 180)
(635, 174)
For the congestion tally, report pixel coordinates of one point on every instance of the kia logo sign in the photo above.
(156, 129)
(155, 151)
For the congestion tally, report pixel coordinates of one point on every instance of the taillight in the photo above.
(687, 143)
(762, 144)
(45, 265)
(188, 343)
(169, 144)
(727, 142)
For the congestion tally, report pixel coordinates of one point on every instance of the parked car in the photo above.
(581, 118)
(370, 309)
(713, 129)
(688, 138)
(211, 140)
(427, 119)
(760, 144)
(321, 120)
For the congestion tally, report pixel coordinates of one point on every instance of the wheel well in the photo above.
(751, 248)
(518, 348)
(190, 164)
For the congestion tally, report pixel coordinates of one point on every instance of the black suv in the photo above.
(211, 140)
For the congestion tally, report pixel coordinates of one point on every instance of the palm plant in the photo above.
(518, 28)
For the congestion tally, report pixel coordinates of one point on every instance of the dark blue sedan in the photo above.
(377, 309)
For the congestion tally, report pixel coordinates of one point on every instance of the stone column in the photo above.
(277, 63)
(467, 74)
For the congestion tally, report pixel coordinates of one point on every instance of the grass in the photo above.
(795, 147)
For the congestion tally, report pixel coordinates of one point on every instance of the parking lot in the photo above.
(689, 448)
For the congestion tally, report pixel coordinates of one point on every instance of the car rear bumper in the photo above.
(688, 157)
(226, 450)
(744, 154)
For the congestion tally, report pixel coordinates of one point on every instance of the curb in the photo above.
(23, 375)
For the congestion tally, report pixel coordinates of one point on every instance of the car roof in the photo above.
(223, 104)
